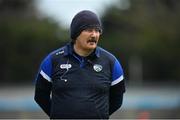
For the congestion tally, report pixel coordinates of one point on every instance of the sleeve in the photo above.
(117, 73)
(117, 88)
(46, 68)
(43, 86)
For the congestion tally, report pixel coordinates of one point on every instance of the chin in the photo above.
(92, 47)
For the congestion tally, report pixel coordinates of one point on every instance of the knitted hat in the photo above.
(83, 20)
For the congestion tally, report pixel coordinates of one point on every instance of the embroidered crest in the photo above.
(97, 67)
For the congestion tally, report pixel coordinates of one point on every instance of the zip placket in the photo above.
(80, 59)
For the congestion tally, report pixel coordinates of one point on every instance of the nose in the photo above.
(94, 33)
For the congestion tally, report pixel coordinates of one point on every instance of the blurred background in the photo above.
(143, 34)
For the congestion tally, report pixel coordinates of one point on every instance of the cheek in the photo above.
(98, 35)
(97, 38)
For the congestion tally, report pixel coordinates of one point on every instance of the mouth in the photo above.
(92, 40)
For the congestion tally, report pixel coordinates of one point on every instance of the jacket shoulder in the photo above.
(58, 52)
(106, 54)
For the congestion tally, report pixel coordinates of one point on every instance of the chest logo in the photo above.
(97, 67)
(65, 66)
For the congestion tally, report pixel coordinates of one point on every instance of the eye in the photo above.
(89, 30)
(97, 30)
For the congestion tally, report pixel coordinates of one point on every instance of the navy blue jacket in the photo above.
(71, 86)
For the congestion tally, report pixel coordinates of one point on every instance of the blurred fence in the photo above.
(148, 102)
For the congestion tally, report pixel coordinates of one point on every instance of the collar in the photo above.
(68, 50)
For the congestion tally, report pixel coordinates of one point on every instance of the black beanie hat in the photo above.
(83, 20)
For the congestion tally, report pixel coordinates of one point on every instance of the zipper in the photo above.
(80, 59)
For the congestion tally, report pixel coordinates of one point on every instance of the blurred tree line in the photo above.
(26, 38)
(147, 31)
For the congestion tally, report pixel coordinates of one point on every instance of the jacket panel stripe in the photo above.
(117, 80)
(45, 76)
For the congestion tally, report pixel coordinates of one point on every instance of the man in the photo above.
(80, 80)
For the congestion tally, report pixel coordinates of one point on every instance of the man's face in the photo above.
(88, 39)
